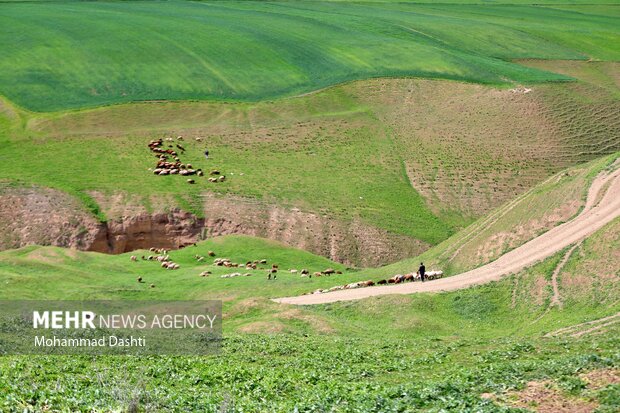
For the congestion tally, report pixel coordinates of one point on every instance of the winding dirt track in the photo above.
(593, 217)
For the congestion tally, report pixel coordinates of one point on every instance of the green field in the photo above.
(64, 55)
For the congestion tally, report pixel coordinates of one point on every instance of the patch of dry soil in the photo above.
(544, 397)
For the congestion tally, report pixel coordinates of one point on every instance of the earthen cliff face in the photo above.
(49, 217)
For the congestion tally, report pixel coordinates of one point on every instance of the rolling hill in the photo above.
(365, 173)
(79, 54)
(552, 325)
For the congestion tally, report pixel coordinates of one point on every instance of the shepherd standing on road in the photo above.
(422, 271)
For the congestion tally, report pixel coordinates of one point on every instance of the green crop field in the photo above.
(62, 55)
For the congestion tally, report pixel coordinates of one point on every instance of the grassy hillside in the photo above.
(470, 350)
(386, 152)
(543, 207)
(73, 54)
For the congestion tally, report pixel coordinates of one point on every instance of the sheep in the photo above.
(381, 282)
(134, 258)
(152, 285)
(221, 178)
(263, 261)
(205, 273)
(293, 271)
(211, 254)
(317, 274)
(214, 172)
(398, 278)
(305, 271)
(179, 138)
(189, 166)
(432, 275)
(329, 271)
(198, 139)
(369, 283)
(190, 181)
(139, 279)
(199, 173)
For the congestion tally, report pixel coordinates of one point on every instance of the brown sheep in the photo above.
(381, 282)
(211, 254)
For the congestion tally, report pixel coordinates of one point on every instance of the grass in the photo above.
(248, 51)
(365, 151)
(436, 352)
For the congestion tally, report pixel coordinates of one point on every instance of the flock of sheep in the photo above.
(166, 166)
(397, 279)
(167, 263)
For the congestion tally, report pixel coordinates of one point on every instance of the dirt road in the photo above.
(602, 206)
